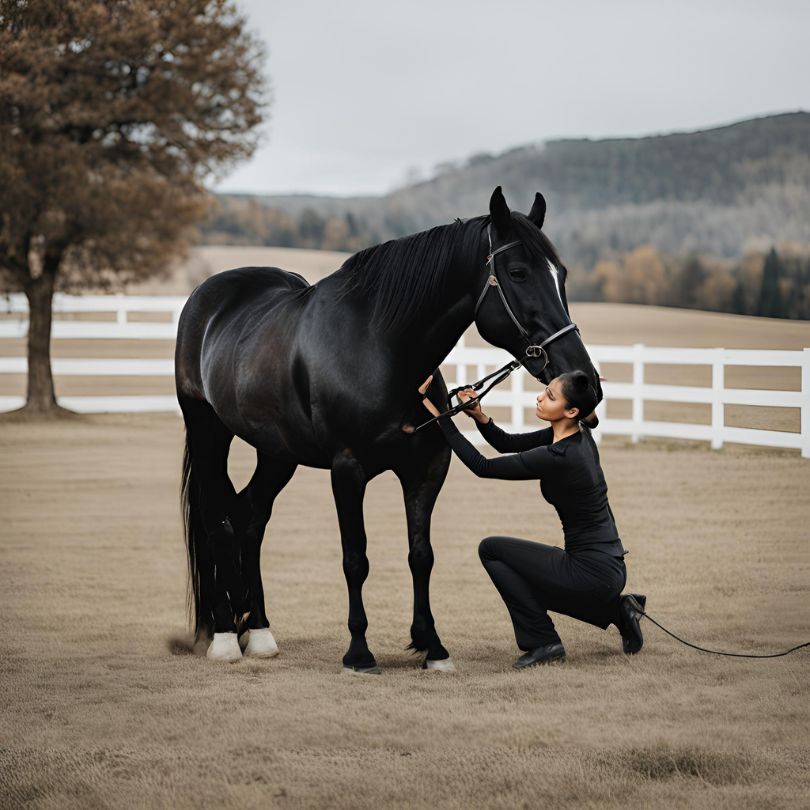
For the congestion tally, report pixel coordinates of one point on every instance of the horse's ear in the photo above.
(499, 211)
(538, 213)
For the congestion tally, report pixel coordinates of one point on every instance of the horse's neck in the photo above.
(434, 334)
(430, 340)
(426, 341)
(424, 344)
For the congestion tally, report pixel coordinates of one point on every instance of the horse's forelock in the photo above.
(536, 243)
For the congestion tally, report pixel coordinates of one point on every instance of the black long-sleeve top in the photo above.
(570, 474)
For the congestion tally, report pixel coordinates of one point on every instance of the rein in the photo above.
(502, 373)
(532, 350)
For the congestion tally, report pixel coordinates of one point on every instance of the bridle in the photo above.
(532, 350)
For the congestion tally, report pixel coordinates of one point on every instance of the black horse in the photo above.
(327, 375)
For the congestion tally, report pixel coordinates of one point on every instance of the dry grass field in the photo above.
(97, 712)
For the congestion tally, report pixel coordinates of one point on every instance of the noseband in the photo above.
(532, 350)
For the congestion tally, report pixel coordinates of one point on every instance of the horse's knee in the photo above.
(355, 567)
(420, 553)
(221, 534)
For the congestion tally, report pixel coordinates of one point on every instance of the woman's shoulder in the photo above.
(565, 447)
(590, 450)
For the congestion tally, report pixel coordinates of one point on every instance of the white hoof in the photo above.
(224, 647)
(443, 665)
(261, 644)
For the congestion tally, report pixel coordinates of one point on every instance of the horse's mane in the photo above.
(403, 276)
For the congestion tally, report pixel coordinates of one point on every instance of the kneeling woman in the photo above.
(586, 579)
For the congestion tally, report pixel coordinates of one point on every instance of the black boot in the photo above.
(632, 607)
(541, 655)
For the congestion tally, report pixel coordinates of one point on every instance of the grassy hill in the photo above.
(719, 191)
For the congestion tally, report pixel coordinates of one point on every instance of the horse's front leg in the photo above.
(349, 481)
(421, 486)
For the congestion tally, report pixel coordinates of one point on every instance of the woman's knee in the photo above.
(488, 548)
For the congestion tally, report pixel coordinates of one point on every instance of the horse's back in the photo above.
(246, 281)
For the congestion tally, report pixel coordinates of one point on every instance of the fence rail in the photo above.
(456, 366)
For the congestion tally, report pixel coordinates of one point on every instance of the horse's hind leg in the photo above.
(213, 546)
(421, 482)
(349, 481)
(255, 507)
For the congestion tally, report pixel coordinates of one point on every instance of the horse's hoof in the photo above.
(224, 647)
(261, 644)
(442, 665)
(375, 670)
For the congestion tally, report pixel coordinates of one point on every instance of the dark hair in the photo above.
(578, 391)
(403, 276)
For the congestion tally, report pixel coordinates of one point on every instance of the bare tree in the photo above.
(112, 115)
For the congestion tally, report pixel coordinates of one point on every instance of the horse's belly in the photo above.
(297, 445)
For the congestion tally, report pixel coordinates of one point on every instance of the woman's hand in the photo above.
(474, 412)
(425, 400)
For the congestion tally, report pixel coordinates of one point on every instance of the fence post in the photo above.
(461, 374)
(517, 400)
(806, 403)
(601, 408)
(461, 367)
(638, 394)
(718, 403)
(121, 309)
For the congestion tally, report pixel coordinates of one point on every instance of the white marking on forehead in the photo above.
(554, 272)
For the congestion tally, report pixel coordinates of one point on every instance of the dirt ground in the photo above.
(97, 712)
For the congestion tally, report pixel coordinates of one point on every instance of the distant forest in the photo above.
(716, 220)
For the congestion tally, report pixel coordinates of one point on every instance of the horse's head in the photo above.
(520, 298)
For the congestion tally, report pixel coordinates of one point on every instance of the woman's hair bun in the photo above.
(580, 379)
(579, 391)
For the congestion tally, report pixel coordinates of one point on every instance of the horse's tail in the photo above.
(200, 591)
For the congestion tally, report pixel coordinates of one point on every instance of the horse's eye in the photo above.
(517, 273)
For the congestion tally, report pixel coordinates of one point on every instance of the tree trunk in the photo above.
(40, 397)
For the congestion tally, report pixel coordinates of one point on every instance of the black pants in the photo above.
(533, 578)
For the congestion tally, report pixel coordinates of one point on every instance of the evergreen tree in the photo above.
(770, 294)
(687, 284)
(738, 298)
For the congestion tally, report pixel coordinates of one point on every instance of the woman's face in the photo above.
(551, 403)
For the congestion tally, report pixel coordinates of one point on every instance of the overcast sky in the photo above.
(366, 91)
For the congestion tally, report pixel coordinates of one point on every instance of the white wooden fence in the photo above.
(511, 395)
(121, 306)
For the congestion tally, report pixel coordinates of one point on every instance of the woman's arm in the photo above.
(502, 441)
(505, 442)
(527, 465)
(531, 464)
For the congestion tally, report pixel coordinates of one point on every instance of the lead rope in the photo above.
(721, 652)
